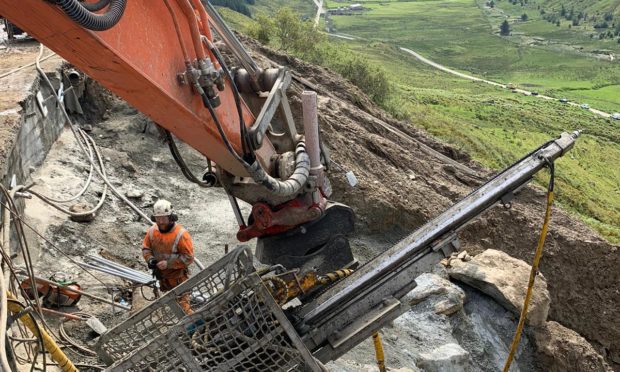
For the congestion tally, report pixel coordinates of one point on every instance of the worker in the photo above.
(168, 250)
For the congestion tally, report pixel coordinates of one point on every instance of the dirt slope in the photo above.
(402, 186)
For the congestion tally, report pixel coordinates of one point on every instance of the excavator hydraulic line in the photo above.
(144, 66)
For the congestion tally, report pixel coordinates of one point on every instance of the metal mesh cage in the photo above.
(237, 329)
(157, 318)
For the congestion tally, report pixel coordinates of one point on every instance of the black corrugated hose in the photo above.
(92, 21)
(93, 7)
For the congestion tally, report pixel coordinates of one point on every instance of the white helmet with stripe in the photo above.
(162, 208)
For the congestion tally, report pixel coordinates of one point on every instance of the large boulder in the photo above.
(562, 349)
(505, 279)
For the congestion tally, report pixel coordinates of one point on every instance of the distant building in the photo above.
(347, 10)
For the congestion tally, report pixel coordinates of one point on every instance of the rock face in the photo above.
(505, 279)
(474, 335)
(448, 297)
(485, 329)
(562, 349)
(447, 358)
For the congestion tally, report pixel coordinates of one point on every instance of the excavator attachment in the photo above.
(237, 325)
(321, 245)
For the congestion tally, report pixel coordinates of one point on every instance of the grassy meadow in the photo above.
(493, 125)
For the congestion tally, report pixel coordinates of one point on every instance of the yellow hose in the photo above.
(530, 287)
(50, 345)
(376, 338)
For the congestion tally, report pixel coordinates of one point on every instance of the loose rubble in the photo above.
(562, 349)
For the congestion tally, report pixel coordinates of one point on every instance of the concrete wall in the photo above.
(35, 136)
(28, 136)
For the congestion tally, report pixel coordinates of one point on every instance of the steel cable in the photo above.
(71, 341)
(103, 195)
(18, 217)
(88, 180)
(103, 176)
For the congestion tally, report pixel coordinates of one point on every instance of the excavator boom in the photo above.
(141, 60)
(162, 58)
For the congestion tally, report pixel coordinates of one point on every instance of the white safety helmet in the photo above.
(162, 208)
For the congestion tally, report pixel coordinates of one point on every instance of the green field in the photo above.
(494, 126)
(462, 35)
(491, 124)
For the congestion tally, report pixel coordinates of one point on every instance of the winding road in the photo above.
(466, 76)
(320, 10)
(473, 78)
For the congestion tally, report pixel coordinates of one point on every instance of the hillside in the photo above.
(588, 6)
(402, 186)
(583, 27)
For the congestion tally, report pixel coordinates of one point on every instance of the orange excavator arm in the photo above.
(161, 57)
(141, 60)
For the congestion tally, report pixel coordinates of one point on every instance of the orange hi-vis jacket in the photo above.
(174, 246)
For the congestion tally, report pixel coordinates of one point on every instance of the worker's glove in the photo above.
(152, 263)
(157, 274)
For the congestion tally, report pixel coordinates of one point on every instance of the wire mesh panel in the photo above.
(160, 316)
(242, 329)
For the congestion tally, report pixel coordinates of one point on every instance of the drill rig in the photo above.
(162, 58)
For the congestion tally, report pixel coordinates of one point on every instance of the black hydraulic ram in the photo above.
(356, 307)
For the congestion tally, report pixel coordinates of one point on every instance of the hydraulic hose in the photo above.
(78, 12)
(91, 145)
(293, 184)
(93, 7)
(83, 148)
(188, 11)
(380, 355)
(175, 21)
(242, 129)
(88, 180)
(534, 271)
(50, 346)
(176, 155)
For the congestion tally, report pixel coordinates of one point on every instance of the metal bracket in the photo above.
(41, 104)
(182, 78)
(448, 244)
(276, 98)
(387, 306)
